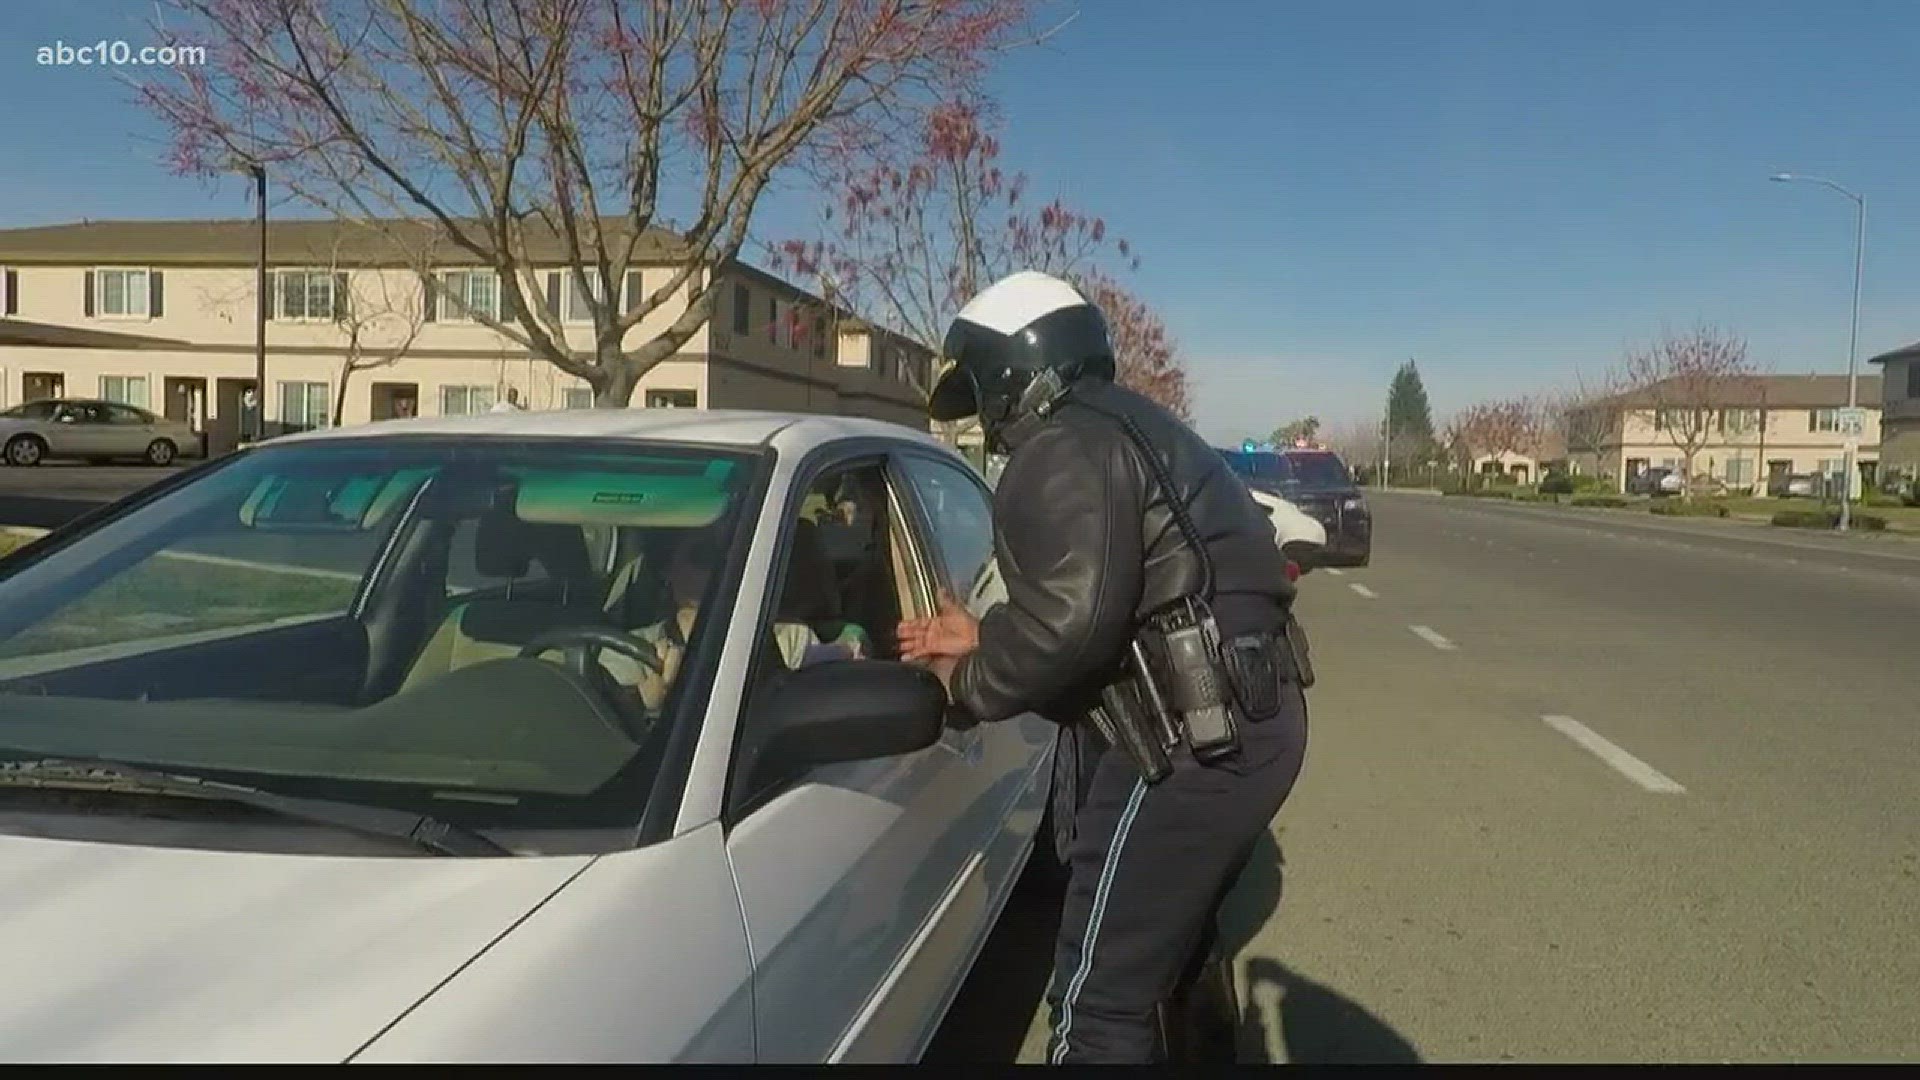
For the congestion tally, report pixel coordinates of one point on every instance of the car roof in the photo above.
(706, 427)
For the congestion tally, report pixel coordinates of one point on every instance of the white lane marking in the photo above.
(1336, 571)
(1432, 637)
(1363, 590)
(1624, 763)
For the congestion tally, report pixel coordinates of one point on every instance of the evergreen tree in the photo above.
(1411, 418)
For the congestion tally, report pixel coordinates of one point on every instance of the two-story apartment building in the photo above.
(1753, 432)
(1900, 410)
(161, 314)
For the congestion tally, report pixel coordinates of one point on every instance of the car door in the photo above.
(955, 508)
(859, 882)
(79, 429)
(127, 431)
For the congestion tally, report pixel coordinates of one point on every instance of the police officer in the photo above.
(1148, 613)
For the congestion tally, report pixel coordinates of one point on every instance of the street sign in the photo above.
(1853, 422)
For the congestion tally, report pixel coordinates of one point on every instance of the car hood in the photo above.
(121, 953)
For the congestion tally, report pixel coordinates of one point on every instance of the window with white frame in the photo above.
(564, 287)
(465, 400)
(303, 405)
(121, 294)
(1824, 420)
(1740, 421)
(576, 397)
(467, 292)
(1739, 471)
(1833, 466)
(125, 389)
(307, 295)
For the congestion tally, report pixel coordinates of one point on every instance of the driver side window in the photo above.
(840, 595)
(961, 513)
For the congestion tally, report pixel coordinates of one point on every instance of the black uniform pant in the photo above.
(1149, 866)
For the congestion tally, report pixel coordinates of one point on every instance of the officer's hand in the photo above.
(954, 632)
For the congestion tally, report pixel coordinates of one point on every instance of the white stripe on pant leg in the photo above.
(1093, 919)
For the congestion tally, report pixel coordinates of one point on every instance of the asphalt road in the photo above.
(54, 493)
(1581, 788)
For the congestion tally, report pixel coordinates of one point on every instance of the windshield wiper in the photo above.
(426, 832)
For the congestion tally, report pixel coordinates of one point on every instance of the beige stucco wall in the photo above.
(1789, 436)
(214, 307)
(212, 312)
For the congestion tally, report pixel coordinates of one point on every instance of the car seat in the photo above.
(811, 592)
(494, 627)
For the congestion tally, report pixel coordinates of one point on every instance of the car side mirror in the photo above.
(846, 710)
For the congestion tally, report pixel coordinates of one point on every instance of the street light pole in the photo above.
(259, 172)
(1853, 337)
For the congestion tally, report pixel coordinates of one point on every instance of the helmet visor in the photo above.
(954, 395)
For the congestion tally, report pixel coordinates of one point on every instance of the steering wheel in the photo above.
(582, 645)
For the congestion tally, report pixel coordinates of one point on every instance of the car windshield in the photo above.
(345, 619)
(1319, 470)
(1306, 470)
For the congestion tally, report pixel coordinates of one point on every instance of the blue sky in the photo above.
(1504, 191)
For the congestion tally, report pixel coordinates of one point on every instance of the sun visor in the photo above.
(630, 499)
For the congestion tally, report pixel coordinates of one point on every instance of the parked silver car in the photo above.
(91, 430)
(549, 737)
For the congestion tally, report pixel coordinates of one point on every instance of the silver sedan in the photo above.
(91, 430)
(531, 737)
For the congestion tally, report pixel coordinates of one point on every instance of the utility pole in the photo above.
(259, 172)
(1386, 449)
(1853, 338)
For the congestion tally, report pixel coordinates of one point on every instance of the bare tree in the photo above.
(1146, 359)
(1587, 414)
(1356, 441)
(908, 242)
(380, 315)
(562, 134)
(1492, 429)
(1685, 377)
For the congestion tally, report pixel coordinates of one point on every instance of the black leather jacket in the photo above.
(1088, 547)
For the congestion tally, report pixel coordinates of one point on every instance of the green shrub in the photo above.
(1880, 499)
(1609, 502)
(1827, 519)
(1686, 509)
(1558, 484)
(1535, 497)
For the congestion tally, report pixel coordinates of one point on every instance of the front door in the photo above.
(41, 385)
(232, 418)
(851, 876)
(1778, 470)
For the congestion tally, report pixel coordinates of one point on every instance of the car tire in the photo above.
(161, 452)
(26, 451)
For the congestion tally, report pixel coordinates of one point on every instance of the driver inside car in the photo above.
(689, 572)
